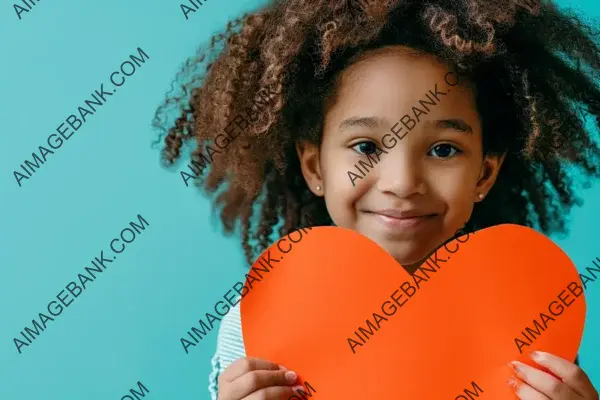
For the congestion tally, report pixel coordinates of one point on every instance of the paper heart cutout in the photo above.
(458, 328)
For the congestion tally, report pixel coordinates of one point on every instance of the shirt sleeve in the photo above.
(213, 378)
(230, 347)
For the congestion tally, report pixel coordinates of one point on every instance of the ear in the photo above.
(308, 155)
(489, 172)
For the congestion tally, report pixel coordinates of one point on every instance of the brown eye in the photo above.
(444, 150)
(365, 147)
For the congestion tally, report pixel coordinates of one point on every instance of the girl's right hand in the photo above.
(251, 378)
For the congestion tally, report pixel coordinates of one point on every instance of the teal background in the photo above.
(125, 327)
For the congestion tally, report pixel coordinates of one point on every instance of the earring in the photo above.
(318, 188)
(481, 196)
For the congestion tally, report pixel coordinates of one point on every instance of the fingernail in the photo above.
(518, 367)
(283, 368)
(512, 383)
(290, 376)
(537, 355)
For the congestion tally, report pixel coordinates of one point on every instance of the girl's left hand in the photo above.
(534, 384)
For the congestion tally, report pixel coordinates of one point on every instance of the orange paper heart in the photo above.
(324, 310)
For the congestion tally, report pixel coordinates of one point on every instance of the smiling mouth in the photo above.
(402, 220)
(406, 219)
(402, 215)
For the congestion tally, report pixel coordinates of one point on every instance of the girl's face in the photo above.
(419, 189)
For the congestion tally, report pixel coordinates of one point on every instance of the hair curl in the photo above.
(533, 67)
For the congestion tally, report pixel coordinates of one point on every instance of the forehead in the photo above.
(399, 61)
(388, 82)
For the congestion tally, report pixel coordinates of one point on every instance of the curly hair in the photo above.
(533, 67)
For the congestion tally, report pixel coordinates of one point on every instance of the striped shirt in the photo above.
(230, 347)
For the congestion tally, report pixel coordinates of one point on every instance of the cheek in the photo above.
(453, 191)
(451, 181)
(455, 188)
(460, 206)
(341, 195)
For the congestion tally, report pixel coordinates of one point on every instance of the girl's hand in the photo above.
(534, 384)
(251, 378)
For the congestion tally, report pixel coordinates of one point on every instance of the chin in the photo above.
(410, 257)
(407, 252)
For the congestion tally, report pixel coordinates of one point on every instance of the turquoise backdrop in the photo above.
(125, 327)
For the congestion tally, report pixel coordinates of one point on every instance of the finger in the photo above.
(526, 392)
(253, 381)
(543, 382)
(243, 365)
(272, 393)
(570, 373)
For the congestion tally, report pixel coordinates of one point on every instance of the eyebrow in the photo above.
(457, 124)
(363, 122)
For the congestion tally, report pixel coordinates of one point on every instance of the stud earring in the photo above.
(481, 196)
(318, 188)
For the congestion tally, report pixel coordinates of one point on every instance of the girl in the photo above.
(366, 126)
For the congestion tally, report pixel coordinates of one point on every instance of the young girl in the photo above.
(405, 120)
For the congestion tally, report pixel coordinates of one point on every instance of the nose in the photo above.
(401, 174)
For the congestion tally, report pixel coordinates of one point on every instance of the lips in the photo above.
(403, 214)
